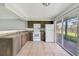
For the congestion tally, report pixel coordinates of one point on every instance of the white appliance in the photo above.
(36, 36)
(36, 33)
(49, 30)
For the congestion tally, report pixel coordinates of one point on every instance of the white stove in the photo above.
(37, 33)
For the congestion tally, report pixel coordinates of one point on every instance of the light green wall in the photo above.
(12, 24)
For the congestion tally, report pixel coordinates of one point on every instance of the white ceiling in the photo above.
(37, 10)
(6, 13)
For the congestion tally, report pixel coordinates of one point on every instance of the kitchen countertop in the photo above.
(2, 33)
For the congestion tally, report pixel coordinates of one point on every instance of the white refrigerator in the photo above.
(49, 32)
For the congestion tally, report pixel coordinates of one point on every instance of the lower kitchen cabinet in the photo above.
(11, 44)
(6, 47)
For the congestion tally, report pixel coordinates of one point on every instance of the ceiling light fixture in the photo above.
(46, 4)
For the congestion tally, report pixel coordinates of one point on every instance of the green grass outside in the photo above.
(71, 36)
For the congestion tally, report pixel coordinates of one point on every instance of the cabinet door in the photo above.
(23, 39)
(5, 46)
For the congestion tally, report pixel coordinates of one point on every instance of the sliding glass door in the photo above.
(70, 35)
(59, 32)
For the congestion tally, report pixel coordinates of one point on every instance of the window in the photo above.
(59, 34)
(70, 35)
